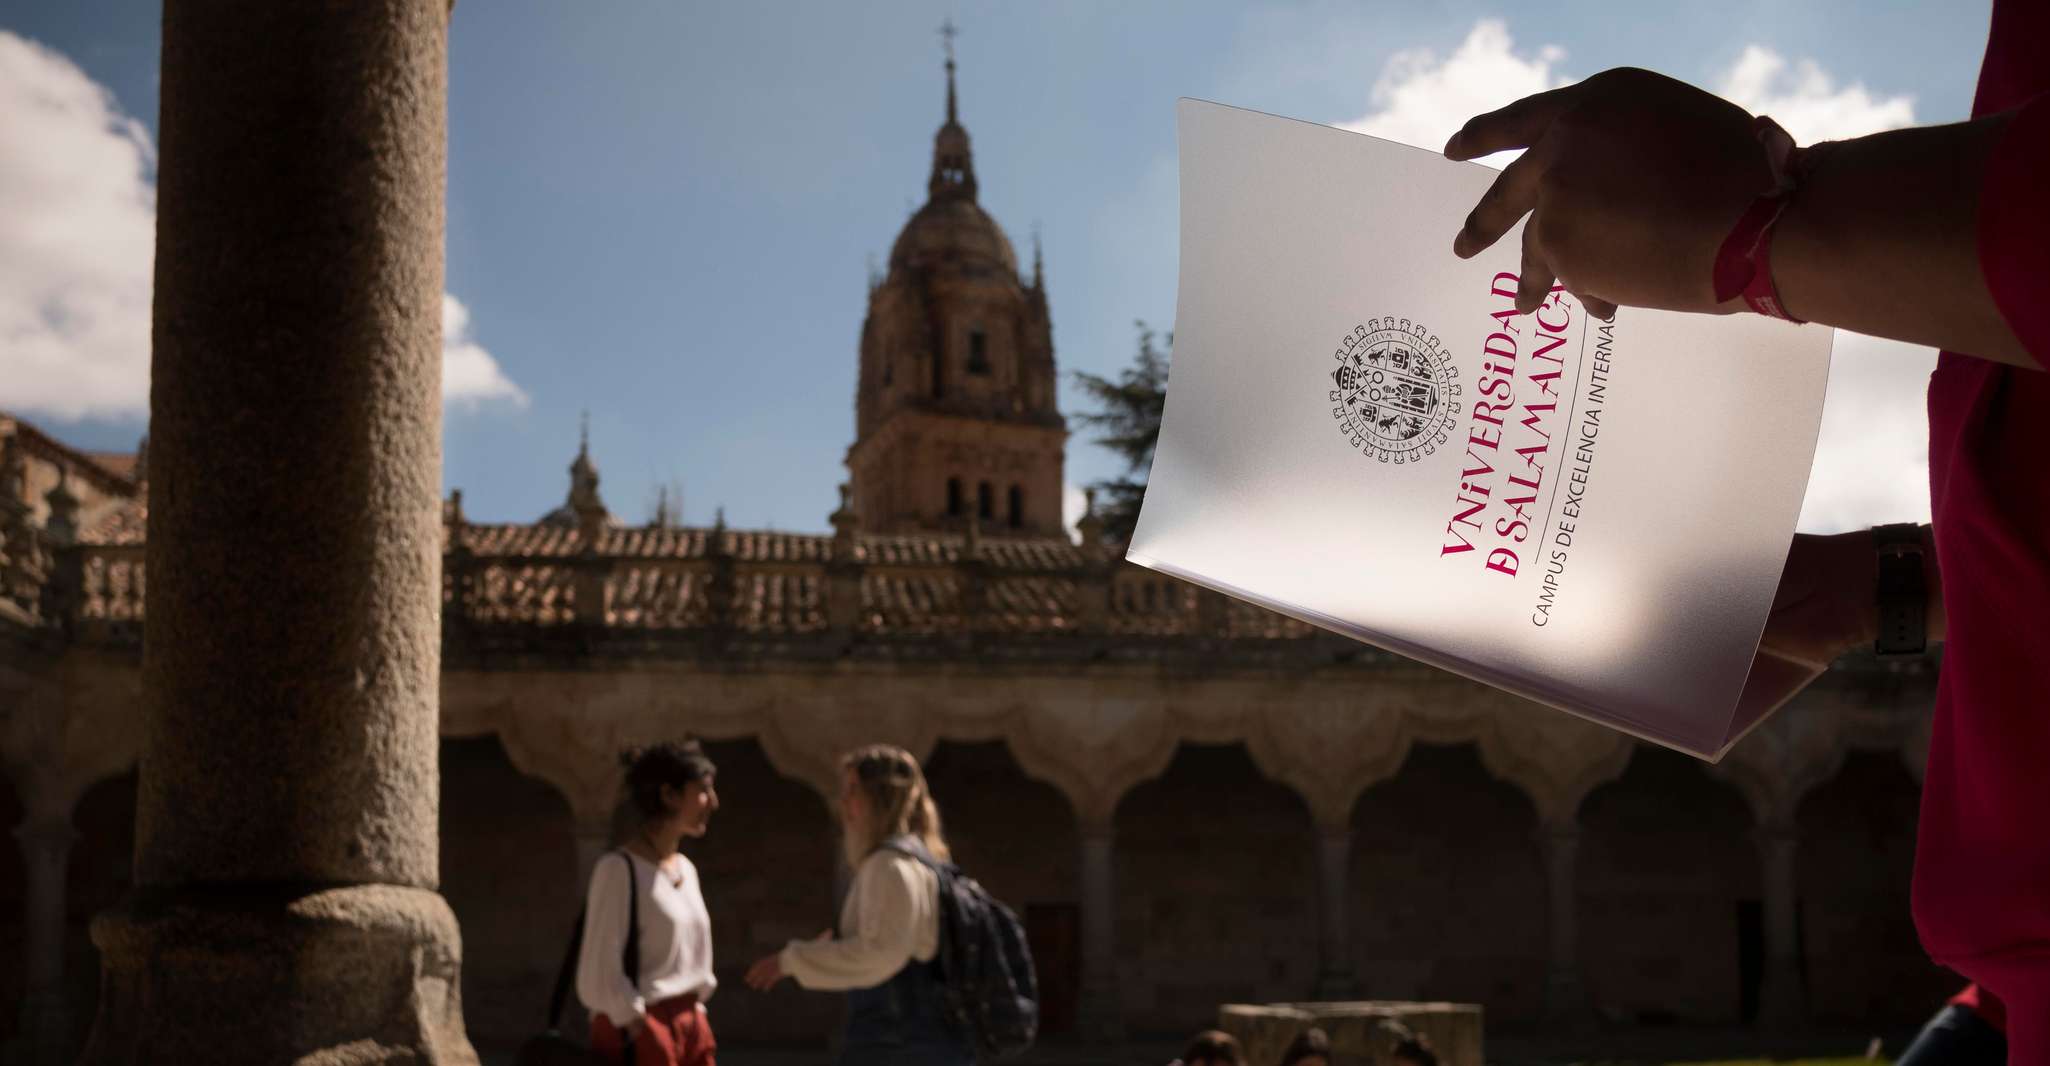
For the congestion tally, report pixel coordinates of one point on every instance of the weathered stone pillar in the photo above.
(286, 833)
(594, 839)
(1779, 993)
(1335, 977)
(1100, 1014)
(45, 1017)
(1565, 990)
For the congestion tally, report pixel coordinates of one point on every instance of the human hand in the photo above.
(1827, 599)
(764, 974)
(1632, 180)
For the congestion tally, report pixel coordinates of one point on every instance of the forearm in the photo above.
(1882, 238)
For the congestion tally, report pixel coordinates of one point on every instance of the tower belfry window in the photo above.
(985, 502)
(978, 352)
(1017, 507)
(953, 496)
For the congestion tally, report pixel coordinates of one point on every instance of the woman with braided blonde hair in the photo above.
(882, 955)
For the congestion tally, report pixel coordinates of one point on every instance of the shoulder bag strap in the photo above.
(630, 955)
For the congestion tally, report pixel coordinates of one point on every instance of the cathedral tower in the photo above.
(955, 409)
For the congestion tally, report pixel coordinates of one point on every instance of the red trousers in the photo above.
(677, 1034)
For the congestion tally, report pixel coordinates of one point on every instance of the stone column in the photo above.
(1335, 977)
(594, 839)
(1565, 990)
(45, 1017)
(1100, 1016)
(1780, 997)
(285, 905)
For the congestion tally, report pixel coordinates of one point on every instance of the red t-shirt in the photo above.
(1982, 860)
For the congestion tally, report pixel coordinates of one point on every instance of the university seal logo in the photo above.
(1395, 391)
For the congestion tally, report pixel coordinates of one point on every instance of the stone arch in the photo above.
(1857, 855)
(100, 873)
(1217, 891)
(1094, 752)
(1019, 837)
(767, 865)
(509, 870)
(1669, 869)
(1448, 890)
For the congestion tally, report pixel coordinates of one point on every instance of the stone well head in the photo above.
(1360, 1032)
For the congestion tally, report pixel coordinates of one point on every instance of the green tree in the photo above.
(1127, 421)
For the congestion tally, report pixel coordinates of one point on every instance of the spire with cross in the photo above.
(947, 34)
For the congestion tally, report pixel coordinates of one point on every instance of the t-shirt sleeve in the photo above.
(602, 984)
(2014, 226)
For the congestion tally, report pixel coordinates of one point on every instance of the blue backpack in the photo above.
(990, 989)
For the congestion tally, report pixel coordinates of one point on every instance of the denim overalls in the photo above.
(903, 1022)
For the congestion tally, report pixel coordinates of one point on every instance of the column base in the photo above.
(44, 1037)
(361, 974)
(1566, 1001)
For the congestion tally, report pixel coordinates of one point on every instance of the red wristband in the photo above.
(1743, 265)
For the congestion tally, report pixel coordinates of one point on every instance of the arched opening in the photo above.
(1448, 888)
(1017, 501)
(767, 865)
(1217, 892)
(1856, 857)
(509, 871)
(100, 874)
(1017, 836)
(985, 501)
(954, 497)
(978, 351)
(1669, 894)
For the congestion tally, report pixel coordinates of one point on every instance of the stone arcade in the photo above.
(1190, 800)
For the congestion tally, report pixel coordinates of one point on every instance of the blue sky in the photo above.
(664, 212)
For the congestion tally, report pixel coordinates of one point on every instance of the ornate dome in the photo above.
(952, 229)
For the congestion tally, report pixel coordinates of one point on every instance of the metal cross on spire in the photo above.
(947, 35)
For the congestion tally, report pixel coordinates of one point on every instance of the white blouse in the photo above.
(676, 939)
(891, 917)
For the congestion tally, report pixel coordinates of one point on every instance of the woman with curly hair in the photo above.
(647, 998)
(882, 955)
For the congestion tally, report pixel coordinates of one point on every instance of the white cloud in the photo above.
(470, 377)
(77, 236)
(1073, 505)
(1422, 100)
(1871, 462)
(77, 247)
(1806, 101)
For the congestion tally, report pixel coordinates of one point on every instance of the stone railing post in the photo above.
(843, 573)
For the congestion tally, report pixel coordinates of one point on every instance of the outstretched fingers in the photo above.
(1518, 125)
(1511, 197)
(1534, 280)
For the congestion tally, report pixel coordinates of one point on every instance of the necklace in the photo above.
(662, 864)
